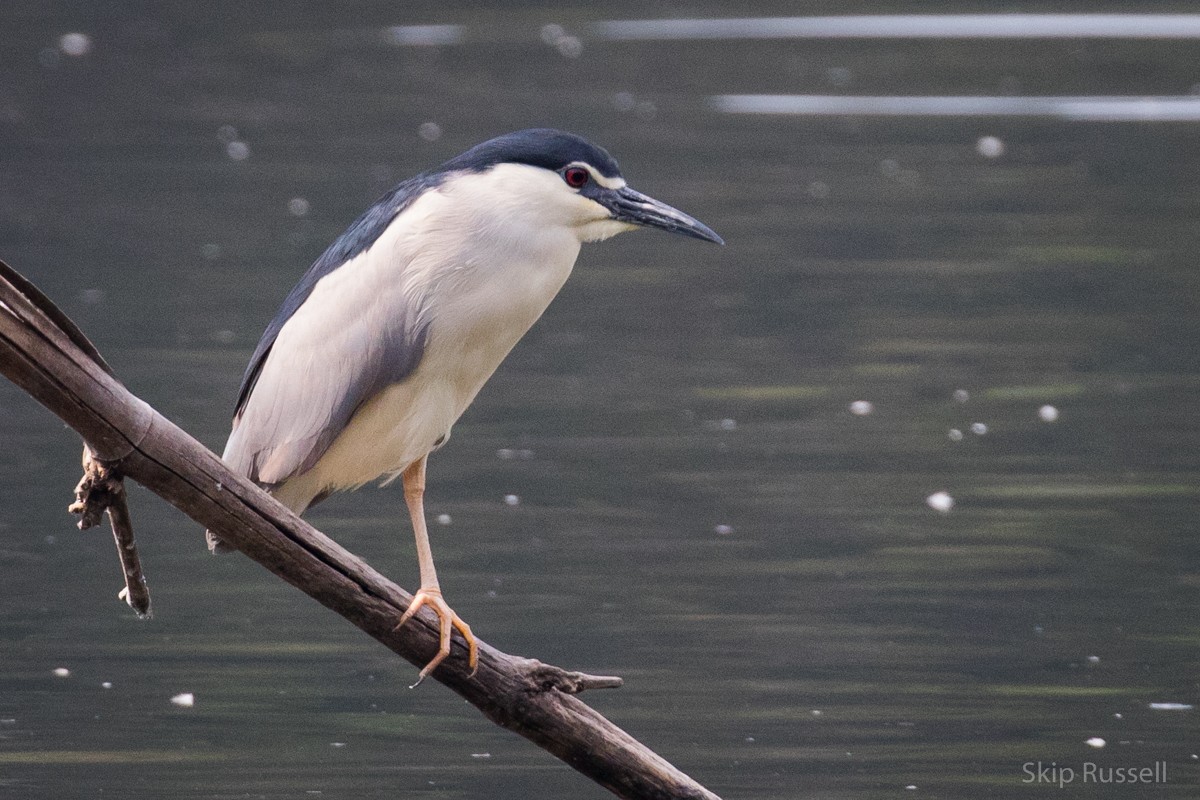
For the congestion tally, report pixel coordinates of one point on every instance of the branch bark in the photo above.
(45, 354)
(100, 490)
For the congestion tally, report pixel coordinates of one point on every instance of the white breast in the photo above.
(478, 294)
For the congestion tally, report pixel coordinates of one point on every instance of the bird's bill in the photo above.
(636, 208)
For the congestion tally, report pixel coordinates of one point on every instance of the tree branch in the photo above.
(45, 354)
(100, 490)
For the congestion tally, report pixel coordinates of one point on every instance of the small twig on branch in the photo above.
(544, 677)
(100, 490)
(43, 353)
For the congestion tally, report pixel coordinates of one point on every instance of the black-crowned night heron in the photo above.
(391, 333)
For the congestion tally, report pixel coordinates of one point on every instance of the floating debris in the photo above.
(75, 45)
(624, 102)
(940, 501)
(990, 146)
(569, 46)
(429, 131)
(557, 37)
(861, 408)
(423, 35)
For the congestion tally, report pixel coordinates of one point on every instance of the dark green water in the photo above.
(838, 637)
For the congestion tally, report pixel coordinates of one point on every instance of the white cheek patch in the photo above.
(609, 183)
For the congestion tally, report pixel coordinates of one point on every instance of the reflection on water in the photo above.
(1082, 109)
(919, 26)
(802, 492)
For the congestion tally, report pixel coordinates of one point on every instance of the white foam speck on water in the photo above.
(423, 35)
(75, 44)
(940, 501)
(429, 131)
(990, 146)
(862, 408)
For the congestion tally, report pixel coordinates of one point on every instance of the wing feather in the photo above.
(345, 343)
(342, 334)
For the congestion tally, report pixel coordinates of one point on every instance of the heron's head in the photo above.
(560, 179)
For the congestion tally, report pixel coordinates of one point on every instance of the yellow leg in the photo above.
(430, 593)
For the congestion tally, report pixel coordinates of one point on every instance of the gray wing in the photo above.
(342, 346)
(327, 351)
(354, 241)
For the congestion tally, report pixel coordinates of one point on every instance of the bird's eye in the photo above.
(576, 177)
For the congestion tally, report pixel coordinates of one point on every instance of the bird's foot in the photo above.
(447, 622)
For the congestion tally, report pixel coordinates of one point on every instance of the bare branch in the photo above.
(42, 352)
(100, 490)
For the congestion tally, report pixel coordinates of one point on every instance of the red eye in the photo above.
(576, 177)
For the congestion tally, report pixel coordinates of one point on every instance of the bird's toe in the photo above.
(448, 621)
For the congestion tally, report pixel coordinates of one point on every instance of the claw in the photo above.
(447, 622)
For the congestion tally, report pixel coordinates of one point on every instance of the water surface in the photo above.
(699, 509)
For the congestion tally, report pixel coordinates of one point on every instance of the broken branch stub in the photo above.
(102, 490)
